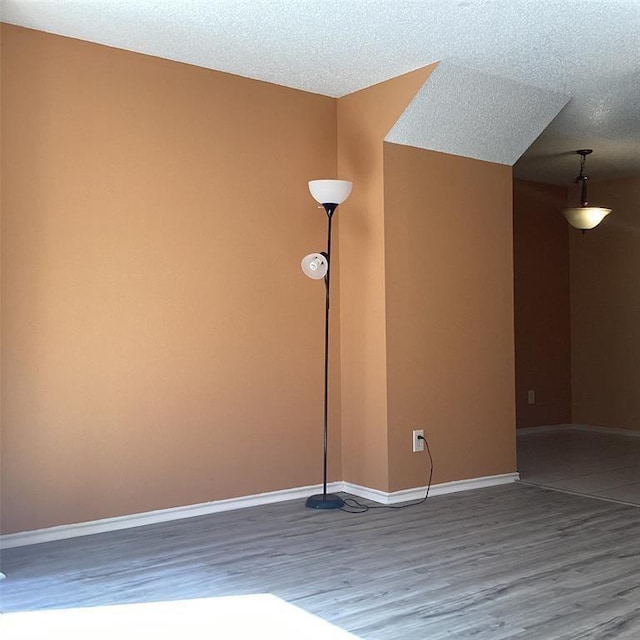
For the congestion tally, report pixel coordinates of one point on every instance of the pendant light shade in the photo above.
(330, 191)
(584, 217)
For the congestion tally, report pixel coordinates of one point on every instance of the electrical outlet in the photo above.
(531, 396)
(418, 443)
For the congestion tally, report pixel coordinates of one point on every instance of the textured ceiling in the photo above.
(475, 114)
(587, 50)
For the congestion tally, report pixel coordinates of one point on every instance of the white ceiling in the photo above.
(475, 114)
(585, 50)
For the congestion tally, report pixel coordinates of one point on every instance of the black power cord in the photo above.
(353, 506)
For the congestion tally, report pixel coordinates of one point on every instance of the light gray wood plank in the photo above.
(594, 463)
(514, 562)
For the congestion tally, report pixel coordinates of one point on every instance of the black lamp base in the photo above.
(324, 501)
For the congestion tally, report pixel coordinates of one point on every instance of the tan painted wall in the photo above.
(1, 162)
(605, 310)
(542, 310)
(448, 230)
(161, 346)
(364, 118)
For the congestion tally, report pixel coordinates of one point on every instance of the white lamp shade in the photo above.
(585, 218)
(330, 191)
(315, 266)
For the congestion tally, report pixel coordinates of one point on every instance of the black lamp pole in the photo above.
(326, 500)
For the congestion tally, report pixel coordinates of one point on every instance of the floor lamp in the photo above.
(317, 266)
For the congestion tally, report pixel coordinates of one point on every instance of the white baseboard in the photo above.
(544, 429)
(418, 493)
(631, 433)
(104, 525)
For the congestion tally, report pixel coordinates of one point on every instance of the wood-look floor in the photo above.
(511, 562)
(603, 465)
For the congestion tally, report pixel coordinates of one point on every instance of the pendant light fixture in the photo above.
(584, 217)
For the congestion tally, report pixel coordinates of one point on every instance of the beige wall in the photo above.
(1, 245)
(161, 346)
(541, 310)
(364, 118)
(605, 310)
(448, 248)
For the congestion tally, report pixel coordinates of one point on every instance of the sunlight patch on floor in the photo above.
(238, 617)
